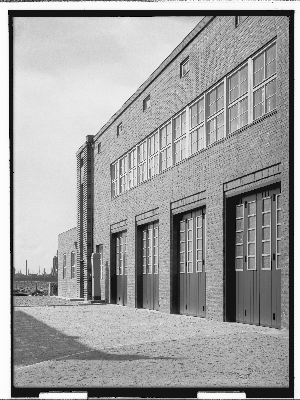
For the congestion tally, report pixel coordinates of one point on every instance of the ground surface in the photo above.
(63, 344)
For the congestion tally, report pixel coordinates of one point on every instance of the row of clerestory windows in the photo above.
(237, 100)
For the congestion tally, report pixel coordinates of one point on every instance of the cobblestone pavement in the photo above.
(115, 346)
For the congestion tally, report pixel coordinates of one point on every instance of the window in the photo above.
(278, 231)
(165, 147)
(64, 265)
(153, 154)
(197, 121)
(72, 264)
(132, 176)
(99, 147)
(238, 99)
(264, 82)
(119, 129)
(150, 249)
(142, 159)
(239, 19)
(184, 67)
(179, 129)
(115, 178)
(100, 251)
(121, 253)
(215, 121)
(123, 174)
(146, 103)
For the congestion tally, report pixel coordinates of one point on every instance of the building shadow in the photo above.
(34, 342)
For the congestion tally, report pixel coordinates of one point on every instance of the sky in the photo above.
(70, 76)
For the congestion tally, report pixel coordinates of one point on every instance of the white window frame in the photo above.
(182, 223)
(155, 155)
(132, 169)
(64, 265)
(240, 244)
(199, 217)
(72, 264)
(165, 148)
(182, 138)
(115, 181)
(278, 224)
(101, 260)
(123, 174)
(188, 270)
(266, 240)
(217, 113)
(251, 229)
(199, 125)
(266, 80)
(239, 99)
(142, 163)
(119, 129)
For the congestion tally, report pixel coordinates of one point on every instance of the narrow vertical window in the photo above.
(64, 265)
(115, 178)
(165, 147)
(125, 253)
(239, 235)
(182, 247)
(123, 174)
(132, 169)
(121, 255)
(155, 248)
(190, 245)
(251, 236)
(142, 159)
(144, 250)
(146, 103)
(197, 126)
(100, 251)
(278, 231)
(184, 67)
(199, 255)
(149, 250)
(99, 147)
(153, 155)
(117, 255)
(179, 129)
(266, 233)
(264, 82)
(215, 121)
(238, 99)
(119, 129)
(72, 265)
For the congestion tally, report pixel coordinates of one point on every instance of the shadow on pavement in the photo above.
(34, 342)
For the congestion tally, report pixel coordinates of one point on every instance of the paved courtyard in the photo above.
(78, 345)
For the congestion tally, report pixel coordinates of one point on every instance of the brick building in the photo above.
(183, 193)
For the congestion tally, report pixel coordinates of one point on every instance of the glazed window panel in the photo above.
(142, 157)
(271, 96)
(199, 244)
(216, 100)
(238, 84)
(115, 179)
(165, 135)
(197, 113)
(123, 174)
(144, 250)
(64, 265)
(179, 150)
(278, 232)
(190, 245)
(239, 232)
(271, 60)
(197, 140)
(238, 115)
(179, 124)
(215, 129)
(72, 264)
(182, 247)
(155, 249)
(266, 233)
(101, 260)
(132, 169)
(125, 254)
(166, 158)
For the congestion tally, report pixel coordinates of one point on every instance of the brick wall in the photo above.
(213, 53)
(67, 287)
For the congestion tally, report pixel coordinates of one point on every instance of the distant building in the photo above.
(184, 192)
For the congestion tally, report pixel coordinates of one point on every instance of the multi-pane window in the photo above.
(142, 161)
(121, 253)
(251, 236)
(184, 67)
(264, 82)
(115, 178)
(123, 174)
(99, 249)
(238, 99)
(132, 169)
(72, 264)
(215, 121)
(165, 147)
(199, 244)
(239, 235)
(197, 125)
(64, 265)
(153, 155)
(278, 231)
(182, 247)
(266, 233)
(150, 248)
(179, 128)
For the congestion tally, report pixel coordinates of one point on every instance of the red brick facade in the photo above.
(254, 156)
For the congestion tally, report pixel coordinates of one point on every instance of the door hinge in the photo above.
(203, 262)
(246, 204)
(273, 256)
(245, 258)
(274, 197)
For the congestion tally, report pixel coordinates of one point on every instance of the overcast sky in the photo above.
(70, 76)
